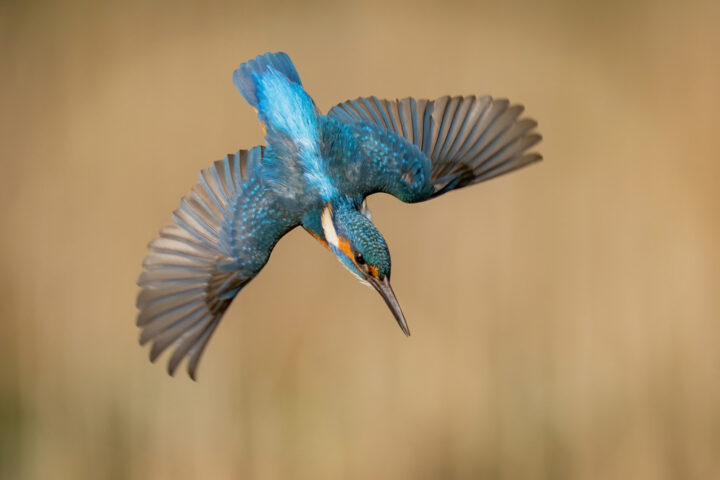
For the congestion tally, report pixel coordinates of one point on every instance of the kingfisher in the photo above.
(314, 171)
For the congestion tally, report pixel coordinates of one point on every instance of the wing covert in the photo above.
(467, 139)
(220, 238)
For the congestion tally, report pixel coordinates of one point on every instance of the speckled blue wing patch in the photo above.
(220, 238)
(468, 139)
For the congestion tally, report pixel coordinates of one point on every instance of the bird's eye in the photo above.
(359, 259)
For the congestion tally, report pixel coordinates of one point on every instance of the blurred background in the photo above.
(565, 318)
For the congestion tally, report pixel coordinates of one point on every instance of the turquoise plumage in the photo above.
(315, 171)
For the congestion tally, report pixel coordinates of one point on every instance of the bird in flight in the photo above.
(315, 171)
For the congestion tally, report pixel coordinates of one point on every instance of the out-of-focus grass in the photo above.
(13, 420)
(565, 318)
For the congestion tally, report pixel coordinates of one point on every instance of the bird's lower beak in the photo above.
(384, 288)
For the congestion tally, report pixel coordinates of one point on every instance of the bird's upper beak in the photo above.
(384, 288)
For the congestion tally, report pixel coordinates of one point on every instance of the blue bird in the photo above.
(315, 171)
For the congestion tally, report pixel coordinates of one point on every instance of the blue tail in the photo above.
(247, 85)
(272, 86)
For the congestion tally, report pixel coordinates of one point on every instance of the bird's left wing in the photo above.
(467, 139)
(221, 237)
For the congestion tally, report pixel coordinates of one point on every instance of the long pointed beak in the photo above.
(383, 287)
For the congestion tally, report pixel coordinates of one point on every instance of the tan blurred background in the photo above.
(565, 318)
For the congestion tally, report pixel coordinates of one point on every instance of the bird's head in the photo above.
(360, 247)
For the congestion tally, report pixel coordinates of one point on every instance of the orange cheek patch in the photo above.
(344, 247)
(373, 271)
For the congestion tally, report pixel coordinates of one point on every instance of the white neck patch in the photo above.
(329, 228)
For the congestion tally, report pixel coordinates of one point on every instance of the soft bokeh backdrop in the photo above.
(565, 318)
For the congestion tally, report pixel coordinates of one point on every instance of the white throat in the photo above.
(329, 228)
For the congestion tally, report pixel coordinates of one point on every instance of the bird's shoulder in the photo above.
(364, 158)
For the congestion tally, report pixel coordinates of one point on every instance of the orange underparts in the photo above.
(262, 125)
(319, 239)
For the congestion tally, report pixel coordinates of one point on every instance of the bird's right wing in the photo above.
(467, 139)
(220, 238)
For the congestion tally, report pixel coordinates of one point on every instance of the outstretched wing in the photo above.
(220, 238)
(467, 139)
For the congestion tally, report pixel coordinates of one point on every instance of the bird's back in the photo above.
(293, 163)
